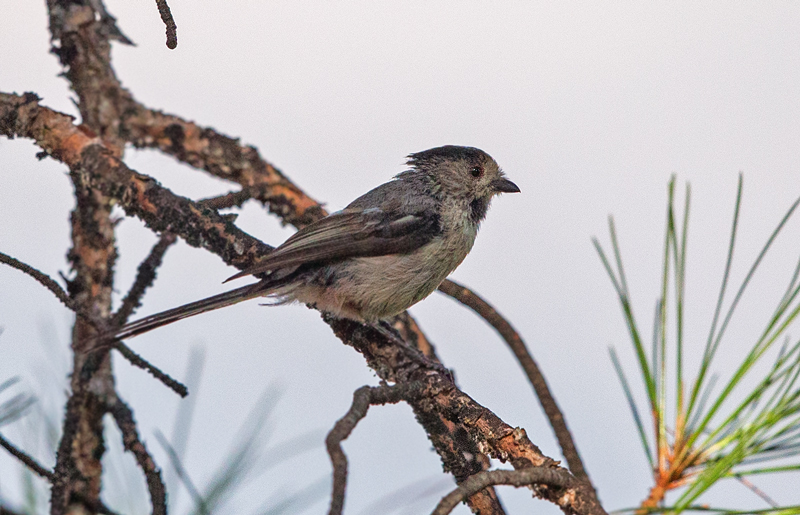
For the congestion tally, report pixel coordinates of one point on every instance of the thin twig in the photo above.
(26, 459)
(169, 21)
(43, 279)
(142, 363)
(143, 281)
(40, 471)
(363, 398)
(234, 198)
(130, 438)
(145, 276)
(568, 448)
(551, 477)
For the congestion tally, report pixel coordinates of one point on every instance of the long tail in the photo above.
(151, 322)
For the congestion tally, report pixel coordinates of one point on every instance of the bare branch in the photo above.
(140, 362)
(554, 478)
(363, 398)
(130, 438)
(26, 459)
(461, 430)
(756, 490)
(43, 279)
(131, 301)
(93, 165)
(144, 279)
(234, 198)
(169, 21)
(473, 301)
(223, 157)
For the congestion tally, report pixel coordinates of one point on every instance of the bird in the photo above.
(387, 250)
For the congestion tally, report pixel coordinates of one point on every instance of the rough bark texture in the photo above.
(464, 433)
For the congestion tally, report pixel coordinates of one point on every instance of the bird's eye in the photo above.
(476, 171)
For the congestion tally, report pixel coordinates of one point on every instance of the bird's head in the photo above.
(466, 174)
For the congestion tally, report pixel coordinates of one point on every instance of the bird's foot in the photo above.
(412, 352)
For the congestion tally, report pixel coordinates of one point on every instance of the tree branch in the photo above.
(223, 157)
(26, 459)
(169, 22)
(143, 280)
(460, 429)
(363, 398)
(556, 479)
(130, 438)
(140, 362)
(145, 277)
(473, 301)
(43, 279)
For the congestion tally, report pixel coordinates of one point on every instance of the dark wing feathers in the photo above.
(351, 233)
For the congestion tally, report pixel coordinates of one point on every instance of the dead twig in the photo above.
(140, 362)
(145, 276)
(512, 338)
(26, 459)
(130, 438)
(169, 21)
(143, 280)
(42, 278)
(234, 198)
(146, 273)
(363, 398)
(551, 477)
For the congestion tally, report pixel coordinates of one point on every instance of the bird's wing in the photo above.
(351, 233)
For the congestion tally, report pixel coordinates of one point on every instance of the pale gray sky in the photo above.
(589, 108)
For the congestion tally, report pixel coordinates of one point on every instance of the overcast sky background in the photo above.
(588, 107)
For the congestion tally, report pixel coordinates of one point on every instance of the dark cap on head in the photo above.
(447, 153)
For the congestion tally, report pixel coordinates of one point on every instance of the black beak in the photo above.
(503, 185)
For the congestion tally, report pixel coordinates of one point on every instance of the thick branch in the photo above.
(223, 157)
(139, 195)
(517, 345)
(460, 429)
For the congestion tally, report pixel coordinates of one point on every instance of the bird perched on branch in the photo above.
(383, 253)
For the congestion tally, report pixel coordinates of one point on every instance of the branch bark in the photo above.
(557, 421)
(533, 477)
(461, 430)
